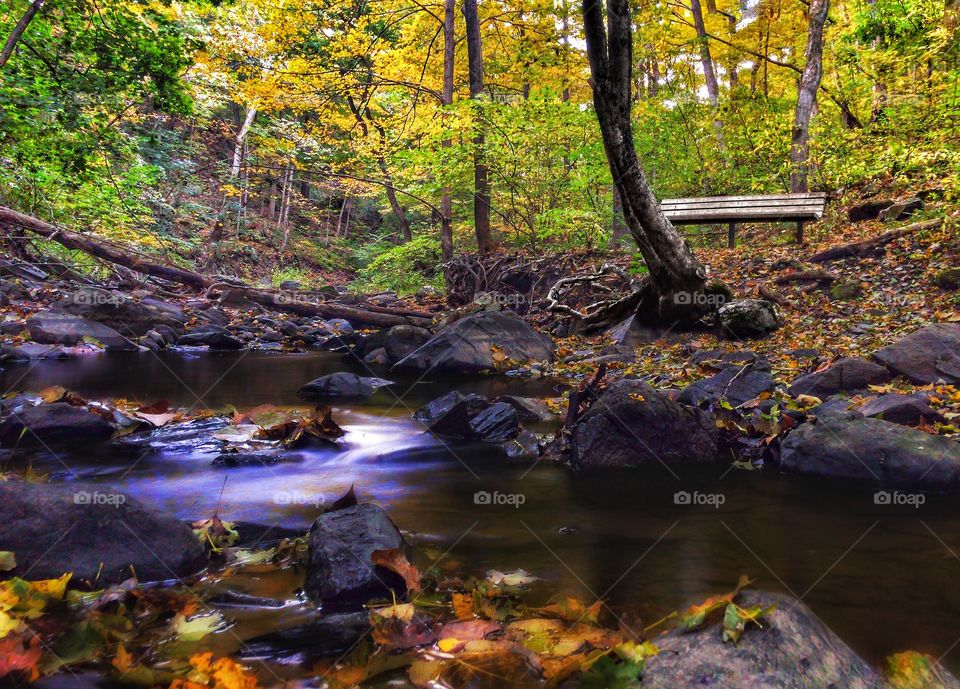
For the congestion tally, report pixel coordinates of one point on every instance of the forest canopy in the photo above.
(317, 135)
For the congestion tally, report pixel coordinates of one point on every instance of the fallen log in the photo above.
(774, 296)
(855, 249)
(806, 276)
(276, 300)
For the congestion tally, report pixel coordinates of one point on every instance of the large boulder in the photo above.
(118, 311)
(342, 385)
(403, 340)
(793, 650)
(734, 384)
(927, 355)
(844, 375)
(340, 568)
(98, 534)
(748, 318)
(53, 424)
(485, 341)
(61, 329)
(849, 446)
(632, 424)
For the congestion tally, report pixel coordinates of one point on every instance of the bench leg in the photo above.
(731, 235)
(800, 232)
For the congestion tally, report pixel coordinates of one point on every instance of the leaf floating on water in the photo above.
(216, 532)
(912, 670)
(517, 577)
(18, 653)
(396, 561)
(195, 628)
(573, 610)
(237, 434)
(7, 561)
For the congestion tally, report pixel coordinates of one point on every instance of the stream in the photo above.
(882, 577)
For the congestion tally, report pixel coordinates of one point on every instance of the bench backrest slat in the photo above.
(770, 208)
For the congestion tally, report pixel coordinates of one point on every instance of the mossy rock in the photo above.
(948, 279)
(845, 291)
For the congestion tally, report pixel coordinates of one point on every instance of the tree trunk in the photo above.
(449, 55)
(239, 140)
(675, 274)
(709, 73)
(19, 30)
(481, 182)
(807, 97)
(395, 206)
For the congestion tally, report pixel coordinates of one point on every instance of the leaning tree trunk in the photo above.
(807, 97)
(19, 30)
(675, 274)
(481, 180)
(709, 73)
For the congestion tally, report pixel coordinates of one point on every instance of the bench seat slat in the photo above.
(739, 207)
(743, 215)
(813, 196)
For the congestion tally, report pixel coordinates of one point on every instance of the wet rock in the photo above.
(735, 384)
(529, 408)
(67, 330)
(455, 422)
(12, 327)
(930, 354)
(120, 312)
(848, 446)
(342, 385)
(906, 410)
(793, 650)
(236, 599)
(748, 317)
(435, 409)
(403, 340)
(845, 375)
(339, 326)
(340, 569)
(630, 332)
(378, 357)
(331, 635)
(98, 534)
(632, 424)
(214, 316)
(469, 345)
(53, 424)
(12, 355)
(247, 459)
(290, 284)
(212, 336)
(40, 351)
(497, 422)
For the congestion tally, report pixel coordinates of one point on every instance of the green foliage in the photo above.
(294, 274)
(404, 268)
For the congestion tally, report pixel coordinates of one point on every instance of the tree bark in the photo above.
(672, 266)
(239, 140)
(449, 55)
(18, 31)
(481, 181)
(709, 72)
(807, 97)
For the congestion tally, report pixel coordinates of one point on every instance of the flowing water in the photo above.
(883, 577)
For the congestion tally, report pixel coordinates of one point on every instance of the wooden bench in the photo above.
(739, 209)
